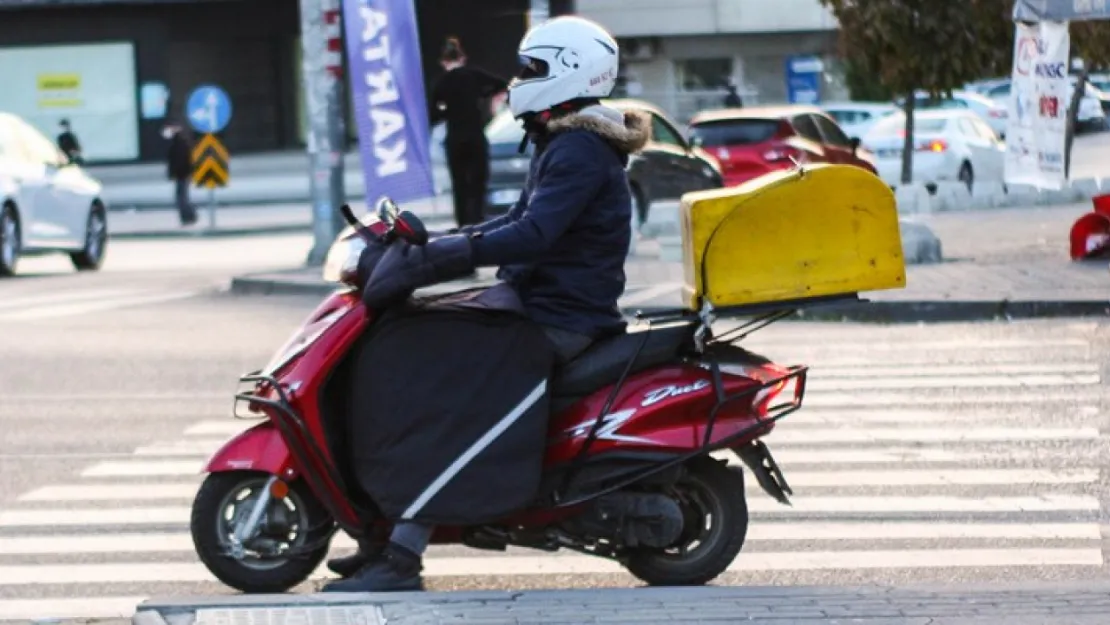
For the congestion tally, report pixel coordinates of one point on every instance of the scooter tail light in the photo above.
(784, 394)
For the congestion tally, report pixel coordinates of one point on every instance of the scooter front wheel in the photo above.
(279, 554)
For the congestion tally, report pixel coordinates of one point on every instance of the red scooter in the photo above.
(634, 421)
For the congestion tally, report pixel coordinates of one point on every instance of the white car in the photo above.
(1092, 115)
(994, 113)
(47, 204)
(949, 145)
(856, 118)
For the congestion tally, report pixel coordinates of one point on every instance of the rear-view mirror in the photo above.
(855, 143)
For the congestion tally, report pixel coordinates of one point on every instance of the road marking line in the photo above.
(810, 342)
(24, 303)
(819, 416)
(879, 504)
(898, 455)
(186, 491)
(884, 371)
(500, 566)
(95, 516)
(780, 561)
(146, 468)
(189, 447)
(817, 384)
(50, 312)
(223, 427)
(795, 531)
(966, 396)
(173, 515)
(783, 436)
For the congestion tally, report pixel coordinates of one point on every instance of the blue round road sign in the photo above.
(208, 109)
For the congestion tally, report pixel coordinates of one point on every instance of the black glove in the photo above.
(369, 259)
(404, 268)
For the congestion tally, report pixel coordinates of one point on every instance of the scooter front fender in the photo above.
(259, 448)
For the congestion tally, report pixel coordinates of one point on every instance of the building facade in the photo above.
(679, 55)
(120, 69)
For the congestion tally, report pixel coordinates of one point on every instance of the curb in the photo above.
(956, 310)
(873, 311)
(212, 234)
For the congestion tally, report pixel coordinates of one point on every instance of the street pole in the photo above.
(321, 25)
(539, 11)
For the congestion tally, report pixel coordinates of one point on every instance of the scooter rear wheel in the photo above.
(715, 511)
(225, 499)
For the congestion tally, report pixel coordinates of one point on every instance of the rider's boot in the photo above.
(370, 548)
(397, 569)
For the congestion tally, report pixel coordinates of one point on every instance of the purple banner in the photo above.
(387, 88)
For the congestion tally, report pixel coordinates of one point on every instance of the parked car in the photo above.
(994, 113)
(856, 118)
(47, 204)
(1093, 107)
(1089, 118)
(751, 142)
(949, 145)
(667, 168)
(1100, 81)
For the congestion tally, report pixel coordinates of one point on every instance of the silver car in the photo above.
(47, 204)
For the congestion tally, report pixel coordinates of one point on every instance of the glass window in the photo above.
(984, 129)
(703, 74)
(807, 128)
(999, 91)
(35, 147)
(5, 137)
(968, 128)
(831, 132)
(845, 117)
(896, 124)
(661, 132)
(730, 132)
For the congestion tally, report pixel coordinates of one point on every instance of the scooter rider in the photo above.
(561, 248)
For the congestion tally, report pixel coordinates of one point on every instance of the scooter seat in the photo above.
(604, 361)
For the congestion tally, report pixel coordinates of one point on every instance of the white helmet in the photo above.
(565, 58)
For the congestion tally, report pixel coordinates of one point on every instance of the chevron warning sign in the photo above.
(210, 163)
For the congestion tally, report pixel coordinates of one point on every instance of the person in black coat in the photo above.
(732, 98)
(179, 168)
(68, 143)
(461, 98)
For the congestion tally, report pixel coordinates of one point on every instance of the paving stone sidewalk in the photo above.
(1042, 603)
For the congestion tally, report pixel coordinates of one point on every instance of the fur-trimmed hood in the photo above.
(629, 131)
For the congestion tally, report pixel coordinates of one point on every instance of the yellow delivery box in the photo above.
(821, 231)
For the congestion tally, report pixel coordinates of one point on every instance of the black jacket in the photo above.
(463, 94)
(562, 247)
(179, 159)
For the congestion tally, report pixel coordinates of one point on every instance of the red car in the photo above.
(751, 142)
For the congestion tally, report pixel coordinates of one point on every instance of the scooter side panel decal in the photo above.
(610, 427)
(674, 390)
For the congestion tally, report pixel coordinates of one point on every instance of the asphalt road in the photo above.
(954, 453)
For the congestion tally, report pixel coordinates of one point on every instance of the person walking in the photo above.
(461, 97)
(179, 168)
(68, 143)
(732, 98)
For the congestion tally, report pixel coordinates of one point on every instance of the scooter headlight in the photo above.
(341, 264)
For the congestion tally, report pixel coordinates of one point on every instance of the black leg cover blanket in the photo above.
(449, 414)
